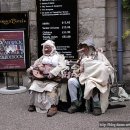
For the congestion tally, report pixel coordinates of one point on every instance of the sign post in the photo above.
(14, 47)
(14, 41)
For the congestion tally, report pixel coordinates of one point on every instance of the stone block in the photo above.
(111, 3)
(99, 27)
(92, 13)
(5, 6)
(99, 3)
(32, 16)
(111, 27)
(85, 4)
(33, 31)
(126, 43)
(15, 5)
(126, 24)
(113, 39)
(13, 1)
(33, 44)
(33, 49)
(126, 69)
(33, 22)
(126, 54)
(126, 76)
(5, 1)
(111, 12)
(114, 48)
(126, 61)
(99, 42)
(27, 5)
(112, 58)
(85, 28)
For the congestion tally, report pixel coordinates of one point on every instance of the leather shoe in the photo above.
(97, 111)
(31, 108)
(74, 107)
(52, 111)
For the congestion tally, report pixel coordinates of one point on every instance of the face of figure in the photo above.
(84, 49)
(47, 49)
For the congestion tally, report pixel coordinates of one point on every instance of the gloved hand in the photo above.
(50, 76)
(29, 69)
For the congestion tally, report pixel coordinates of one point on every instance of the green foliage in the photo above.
(126, 34)
(126, 7)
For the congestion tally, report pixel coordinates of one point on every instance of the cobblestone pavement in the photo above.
(14, 116)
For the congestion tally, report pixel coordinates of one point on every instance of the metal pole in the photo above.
(18, 78)
(6, 80)
(120, 48)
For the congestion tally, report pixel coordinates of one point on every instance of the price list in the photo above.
(57, 20)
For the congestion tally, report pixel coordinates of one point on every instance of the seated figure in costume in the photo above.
(93, 74)
(44, 87)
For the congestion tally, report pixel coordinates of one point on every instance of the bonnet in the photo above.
(89, 42)
(51, 44)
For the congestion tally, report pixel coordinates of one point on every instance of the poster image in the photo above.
(12, 50)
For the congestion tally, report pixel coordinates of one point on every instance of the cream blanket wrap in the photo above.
(96, 74)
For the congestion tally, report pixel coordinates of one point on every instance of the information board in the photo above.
(57, 20)
(14, 41)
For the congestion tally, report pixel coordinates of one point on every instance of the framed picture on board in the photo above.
(12, 50)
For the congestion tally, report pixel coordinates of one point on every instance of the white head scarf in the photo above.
(89, 41)
(91, 45)
(51, 44)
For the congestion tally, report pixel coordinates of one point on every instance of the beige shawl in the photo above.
(96, 74)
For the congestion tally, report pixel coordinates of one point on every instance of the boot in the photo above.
(74, 107)
(97, 111)
(52, 111)
(87, 106)
(31, 108)
(96, 108)
(96, 102)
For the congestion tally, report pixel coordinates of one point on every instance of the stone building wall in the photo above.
(111, 27)
(126, 45)
(92, 20)
(96, 17)
(91, 16)
(111, 35)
